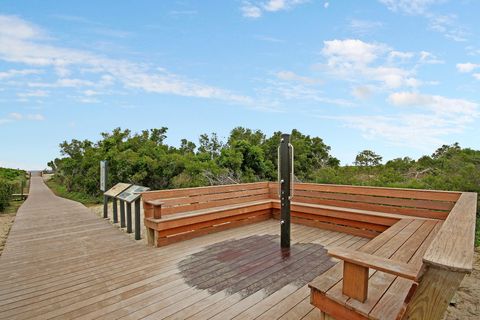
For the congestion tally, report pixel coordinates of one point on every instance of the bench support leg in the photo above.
(151, 238)
(355, 281)
(433, 294)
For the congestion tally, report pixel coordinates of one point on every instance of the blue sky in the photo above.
(398, 77)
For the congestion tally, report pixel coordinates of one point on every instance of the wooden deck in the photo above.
(61, 261)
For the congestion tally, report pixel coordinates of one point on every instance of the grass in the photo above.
(61, 191)
(7, 216)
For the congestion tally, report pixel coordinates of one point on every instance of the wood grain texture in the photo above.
(63, 262)
(433, 294)
(355, 281)
(453, 247)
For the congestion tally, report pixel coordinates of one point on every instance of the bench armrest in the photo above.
(152, 208)
(404, 270)
(155, 203)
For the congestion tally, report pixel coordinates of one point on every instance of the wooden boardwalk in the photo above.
(63, 262)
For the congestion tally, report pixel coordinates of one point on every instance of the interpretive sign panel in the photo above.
(117, 189)
(132, 193)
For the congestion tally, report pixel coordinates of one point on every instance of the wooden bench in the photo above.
(409, 271)
(363, 211)
(174, 215)
(180, 214)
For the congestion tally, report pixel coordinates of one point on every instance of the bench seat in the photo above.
(184, 225)
(388, 293)
(358, 222)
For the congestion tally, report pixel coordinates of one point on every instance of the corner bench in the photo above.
(409, 271)
(180, 214)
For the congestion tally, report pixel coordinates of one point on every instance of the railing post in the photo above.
(129, 217)
(115, 210)
(137, 219)
(285, 175)
(122, 214)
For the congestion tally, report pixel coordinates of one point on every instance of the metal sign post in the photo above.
(128, 197)
(285, 180)
(103, 186)
(115, 210)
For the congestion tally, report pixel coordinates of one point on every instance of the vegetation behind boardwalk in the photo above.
(10, 182)
(248, 155)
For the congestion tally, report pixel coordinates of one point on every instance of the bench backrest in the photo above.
(409, 202)
(188, 199)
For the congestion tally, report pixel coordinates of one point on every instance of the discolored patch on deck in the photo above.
(250, 264)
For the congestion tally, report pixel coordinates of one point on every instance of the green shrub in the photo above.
(6, 190)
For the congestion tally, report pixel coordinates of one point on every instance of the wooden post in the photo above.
(21, 189)
(115, 210)
(137, 219)
(129, 217)
(355, 281)
(122, 214)
(285, 170)
(433, 294)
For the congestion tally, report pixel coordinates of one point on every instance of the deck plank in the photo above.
(63, 262)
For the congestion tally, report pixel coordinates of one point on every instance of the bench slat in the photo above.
(385, 192)
(172, 193)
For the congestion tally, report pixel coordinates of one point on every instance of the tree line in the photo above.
(247, 156)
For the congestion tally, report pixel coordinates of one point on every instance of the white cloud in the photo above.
(35, 117)
(255, 9)
(364, 27)
(268, 38)
(16, 116)
(410, 6)
(22, 42)
(362, 92)
(326, 5)
(14, 73)
(447, 25)
(467, 67)
(294, 90)
(90, 93)
(431, 118)
(292, 76)
(251, 11)
(358, 61)
(34, 93)
(437, 104)
(429, 58)
(351, 51)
